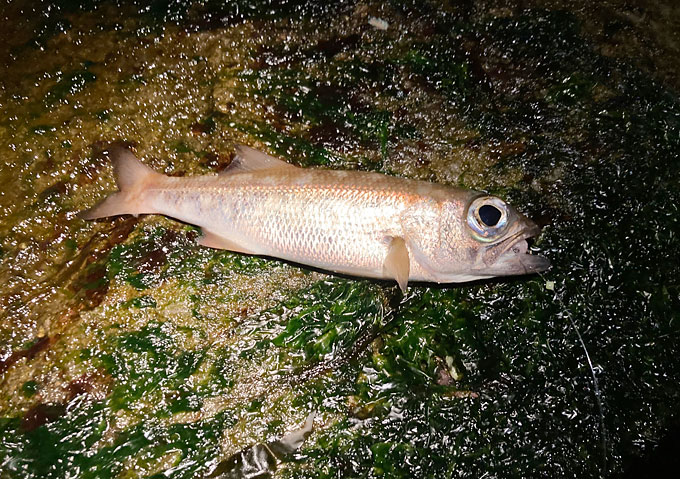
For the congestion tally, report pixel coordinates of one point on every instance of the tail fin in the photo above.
(132, 178)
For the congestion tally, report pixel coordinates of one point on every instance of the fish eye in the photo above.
(487, 217)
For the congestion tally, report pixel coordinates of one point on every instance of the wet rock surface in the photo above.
(126, 350)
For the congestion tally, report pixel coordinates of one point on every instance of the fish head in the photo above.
(482, 237)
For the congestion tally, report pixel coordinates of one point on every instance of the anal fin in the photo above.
(212, 240)
(397, 263)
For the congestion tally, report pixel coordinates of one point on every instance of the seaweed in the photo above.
(58, 448)
(68, 83)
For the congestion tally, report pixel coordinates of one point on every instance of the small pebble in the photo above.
(378, 23)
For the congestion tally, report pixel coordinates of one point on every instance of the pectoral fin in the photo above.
(397, 263)
(212, 240)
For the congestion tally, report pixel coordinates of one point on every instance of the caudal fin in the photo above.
(132, 177)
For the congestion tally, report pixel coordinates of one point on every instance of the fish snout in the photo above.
(512, 256)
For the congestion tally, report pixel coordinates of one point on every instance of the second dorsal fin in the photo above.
(250, 159)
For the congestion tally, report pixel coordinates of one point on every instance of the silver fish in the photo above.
(351, 222)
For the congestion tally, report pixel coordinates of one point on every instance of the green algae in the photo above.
(29, 388)
(68, 84)
(145, 361)
(140, 302)
(185, 355)
(60, 448)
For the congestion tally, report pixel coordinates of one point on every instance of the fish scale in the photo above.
(337, 227)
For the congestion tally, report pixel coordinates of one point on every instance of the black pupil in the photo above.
(490, 215)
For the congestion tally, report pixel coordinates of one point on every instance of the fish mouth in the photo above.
(512, 257)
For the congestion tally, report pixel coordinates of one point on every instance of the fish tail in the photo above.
(132, 177)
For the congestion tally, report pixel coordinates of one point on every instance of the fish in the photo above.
(357, 223)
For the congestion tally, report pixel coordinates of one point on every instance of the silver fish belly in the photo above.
(357, 223)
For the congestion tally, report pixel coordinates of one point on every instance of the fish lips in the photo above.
(514, 257)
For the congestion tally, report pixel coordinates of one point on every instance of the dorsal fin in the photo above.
(250, 159)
